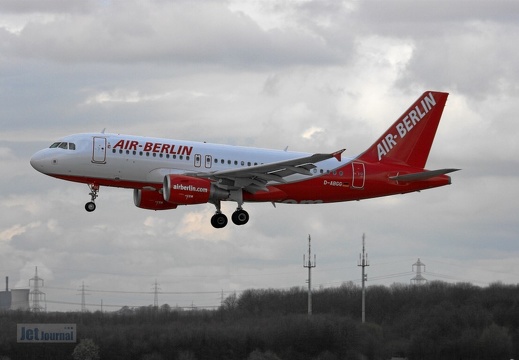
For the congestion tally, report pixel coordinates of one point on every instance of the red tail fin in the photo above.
(410, 138)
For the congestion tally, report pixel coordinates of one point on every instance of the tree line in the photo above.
(431, 321)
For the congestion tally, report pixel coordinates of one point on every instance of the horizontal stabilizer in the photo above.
(424, 175)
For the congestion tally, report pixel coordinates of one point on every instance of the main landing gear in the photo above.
(94, 190)
(219, 220)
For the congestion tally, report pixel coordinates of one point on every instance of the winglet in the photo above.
(338, 154)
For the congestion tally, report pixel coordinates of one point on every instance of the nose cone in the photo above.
(40, 161)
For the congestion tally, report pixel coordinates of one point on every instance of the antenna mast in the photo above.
(363, 262)
(309, 265)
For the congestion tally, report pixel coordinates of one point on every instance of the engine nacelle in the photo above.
(151, 200)
(189, 190)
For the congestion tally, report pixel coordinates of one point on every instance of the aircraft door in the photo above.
(358, 175)
(99, 150)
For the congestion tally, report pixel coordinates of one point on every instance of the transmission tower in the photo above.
(156, 294)
(83, 295)
(35, 294)
(309, 265)
(418, 279)
(363, 262)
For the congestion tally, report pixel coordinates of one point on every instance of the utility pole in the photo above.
(309, 265)
(156, 295)
(363, 262)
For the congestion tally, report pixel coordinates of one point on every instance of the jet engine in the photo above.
(189, 190)
(151, 200)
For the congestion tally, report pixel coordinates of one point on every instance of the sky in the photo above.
(316, 76)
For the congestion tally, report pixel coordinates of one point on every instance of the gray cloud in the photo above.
(316, 76)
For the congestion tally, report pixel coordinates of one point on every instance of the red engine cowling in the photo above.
(151, 200)
(186, 190)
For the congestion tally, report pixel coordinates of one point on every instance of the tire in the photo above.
(219, 221)
(240, 217)
(90, 206)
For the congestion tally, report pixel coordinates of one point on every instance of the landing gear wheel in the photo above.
(240, 217)
(219, 220)
(90, 206)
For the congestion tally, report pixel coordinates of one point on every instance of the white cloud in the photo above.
(16, 230)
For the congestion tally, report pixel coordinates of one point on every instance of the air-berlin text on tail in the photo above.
(153, 147)
(407, 124)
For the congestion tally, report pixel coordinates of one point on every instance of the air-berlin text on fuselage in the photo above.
(154, 147)
(406, 125)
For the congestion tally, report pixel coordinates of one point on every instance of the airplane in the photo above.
(165, 173)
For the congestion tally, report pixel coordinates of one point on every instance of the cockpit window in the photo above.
(63, 145)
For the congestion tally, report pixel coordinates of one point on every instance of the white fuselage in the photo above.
(127, 161)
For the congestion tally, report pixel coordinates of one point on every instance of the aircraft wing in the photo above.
(255, 178)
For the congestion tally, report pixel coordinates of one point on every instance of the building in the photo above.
(16, 299)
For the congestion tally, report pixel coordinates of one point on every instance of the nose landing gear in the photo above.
(94, 190)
